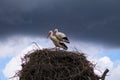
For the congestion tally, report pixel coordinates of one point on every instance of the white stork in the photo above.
(61, 36)
(56, 42)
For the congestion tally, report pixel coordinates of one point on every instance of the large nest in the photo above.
(56, 65)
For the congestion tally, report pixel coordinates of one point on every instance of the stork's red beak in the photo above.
(48, 35)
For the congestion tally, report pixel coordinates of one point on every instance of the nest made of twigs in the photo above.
(57, 65)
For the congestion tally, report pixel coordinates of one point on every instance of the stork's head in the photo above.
(55, 30)
(50, 33)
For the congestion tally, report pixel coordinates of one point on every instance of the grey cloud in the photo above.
(90, 20)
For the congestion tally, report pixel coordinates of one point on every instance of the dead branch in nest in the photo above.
(104, 74)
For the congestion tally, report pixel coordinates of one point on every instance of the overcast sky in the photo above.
(90, 20)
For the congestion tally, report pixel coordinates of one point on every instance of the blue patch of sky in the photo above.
(114, 55)
(3, 62)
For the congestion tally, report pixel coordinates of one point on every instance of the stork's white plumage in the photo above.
(56, 42)
(61, 36)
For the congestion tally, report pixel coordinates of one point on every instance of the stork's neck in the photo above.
(51, 34)
(56, 30)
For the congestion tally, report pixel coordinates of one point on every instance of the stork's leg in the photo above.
(57, 48)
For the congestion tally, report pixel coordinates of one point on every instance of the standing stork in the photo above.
(56, 42)
(61, 36)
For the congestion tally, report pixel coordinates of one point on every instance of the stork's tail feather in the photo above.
(63, 46)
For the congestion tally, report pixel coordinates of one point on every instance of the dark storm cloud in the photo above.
(90, 20)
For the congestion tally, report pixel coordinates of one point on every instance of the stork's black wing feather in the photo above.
(66, 39)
